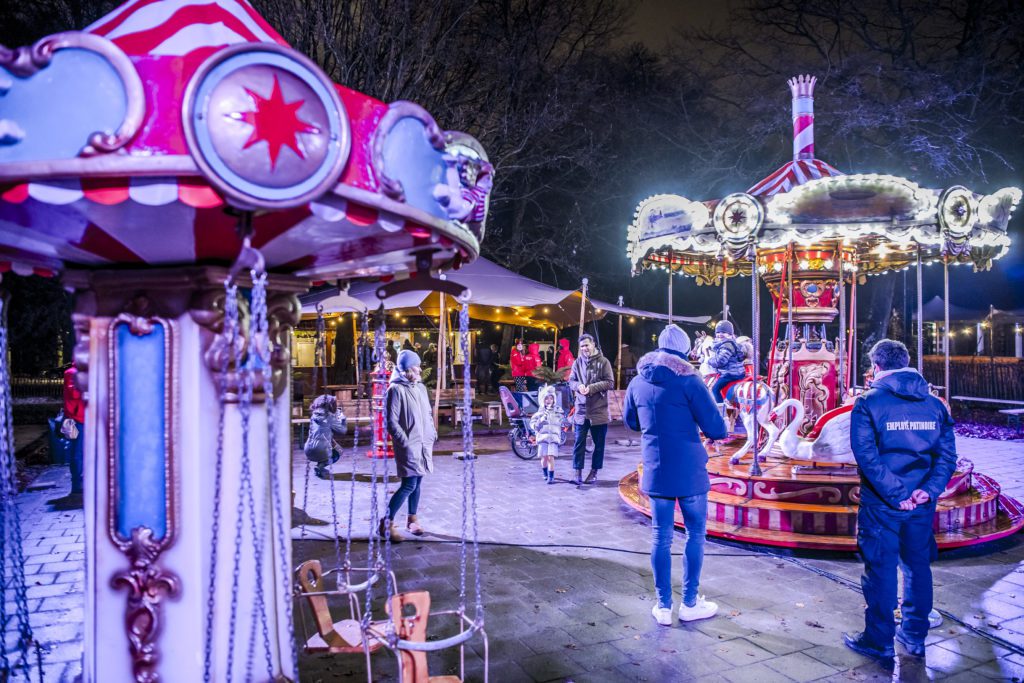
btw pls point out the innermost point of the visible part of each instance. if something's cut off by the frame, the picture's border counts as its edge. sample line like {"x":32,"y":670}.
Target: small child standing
{"x":325,"y":422}
{"x":546,"y":423}
{"x":726,"y":358}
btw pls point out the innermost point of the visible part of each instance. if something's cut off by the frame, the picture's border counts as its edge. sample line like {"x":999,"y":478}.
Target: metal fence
{"x":37,"y":387}
{"x":979,"y":376}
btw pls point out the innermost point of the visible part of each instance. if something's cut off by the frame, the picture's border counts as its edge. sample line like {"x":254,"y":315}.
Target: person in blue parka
{"x":903,"y":441}
{"x":668,"y":403}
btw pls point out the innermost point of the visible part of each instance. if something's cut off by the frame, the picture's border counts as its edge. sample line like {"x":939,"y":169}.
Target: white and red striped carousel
{"x":186,"y":173}
{"x":812,"y":233}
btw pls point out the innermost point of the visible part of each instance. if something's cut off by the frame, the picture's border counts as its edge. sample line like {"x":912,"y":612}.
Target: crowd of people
{"x":901,"y":435}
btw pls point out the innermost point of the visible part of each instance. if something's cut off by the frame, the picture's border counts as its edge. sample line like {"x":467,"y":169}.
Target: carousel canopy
{"x":496,"y":295}
{"x":138,"y":140}
{"x":869,"y":223}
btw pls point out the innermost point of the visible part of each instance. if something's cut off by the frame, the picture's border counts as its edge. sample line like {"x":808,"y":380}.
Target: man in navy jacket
{"x":902,"y":437}
{"x":669,"y":403}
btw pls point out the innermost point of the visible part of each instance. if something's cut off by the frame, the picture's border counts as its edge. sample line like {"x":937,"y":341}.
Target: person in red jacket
{"x":565,"y":358}
{"x":74,"y":410}
{"x":533,"y":362}
{"x":519,"y":365}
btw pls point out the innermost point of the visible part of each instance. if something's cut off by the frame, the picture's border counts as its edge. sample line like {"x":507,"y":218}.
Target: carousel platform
{"x":794,"y":505}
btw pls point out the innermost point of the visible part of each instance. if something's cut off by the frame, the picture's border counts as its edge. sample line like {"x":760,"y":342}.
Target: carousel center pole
{"x":841,"y":351}
{"x":755,"y":336}
{"x":789,"y":326}
{"x":670,"y":294}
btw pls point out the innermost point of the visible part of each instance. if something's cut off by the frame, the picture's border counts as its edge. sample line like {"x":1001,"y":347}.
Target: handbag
{"x":69,"y":428}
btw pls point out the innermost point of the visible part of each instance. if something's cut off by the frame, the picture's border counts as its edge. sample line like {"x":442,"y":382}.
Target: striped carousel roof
{"x":792,"y":174}
{"x":181,"y":28}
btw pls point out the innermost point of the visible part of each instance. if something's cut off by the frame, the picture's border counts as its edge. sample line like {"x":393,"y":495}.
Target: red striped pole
{"x":802,"y":88}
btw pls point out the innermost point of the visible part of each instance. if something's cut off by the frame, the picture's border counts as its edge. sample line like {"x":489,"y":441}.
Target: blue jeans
{"x":720,"y":384}
{"x":889,"y":537}
{"x":695,"y":512}
{"x":409,"y":490}
{"x":579,"y":448}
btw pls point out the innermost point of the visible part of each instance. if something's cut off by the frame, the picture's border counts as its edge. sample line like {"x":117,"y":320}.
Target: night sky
{"x":655,"y":23}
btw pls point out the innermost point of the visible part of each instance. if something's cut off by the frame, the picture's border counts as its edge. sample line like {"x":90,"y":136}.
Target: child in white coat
{"x":546,"y":423}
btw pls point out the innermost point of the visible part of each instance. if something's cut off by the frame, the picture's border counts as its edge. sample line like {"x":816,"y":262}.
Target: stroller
{"x":520,"y":406}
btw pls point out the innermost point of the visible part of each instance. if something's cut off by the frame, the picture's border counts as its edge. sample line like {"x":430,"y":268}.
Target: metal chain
{"x":469,"y":460}
{"x":379,"y":437}
{"x":263,"y":347}
{"x":231,"y":333}
{"x":10,"y":522}
{"x":364,"y":332}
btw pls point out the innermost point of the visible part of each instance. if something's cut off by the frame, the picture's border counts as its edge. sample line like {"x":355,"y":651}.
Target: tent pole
{"x":554,"y":356}
{"x":583,"y":304}
{"x":920,"y":314}
{"x":442,"y":358}
{"x":618,"y":360}
{"x":945,"y":306}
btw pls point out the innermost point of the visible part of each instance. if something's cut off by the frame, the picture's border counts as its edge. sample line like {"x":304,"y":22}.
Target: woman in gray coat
{"x":410,"y":423}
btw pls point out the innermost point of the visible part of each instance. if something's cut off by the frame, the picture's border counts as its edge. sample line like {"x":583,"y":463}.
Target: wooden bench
{"x":1013,"y":416}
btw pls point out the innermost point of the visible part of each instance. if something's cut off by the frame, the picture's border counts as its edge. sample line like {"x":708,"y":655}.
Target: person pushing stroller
{"x":547,"y":423}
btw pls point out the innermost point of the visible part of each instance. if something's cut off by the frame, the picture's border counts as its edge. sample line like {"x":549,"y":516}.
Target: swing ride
{"x":812,"y":234}
{"x":207,"y":175}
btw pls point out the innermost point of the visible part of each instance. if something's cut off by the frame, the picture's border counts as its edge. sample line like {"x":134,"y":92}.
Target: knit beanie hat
{"x":407,"y":359}
{"x":724,"y":327}
{"x":674,"y":339}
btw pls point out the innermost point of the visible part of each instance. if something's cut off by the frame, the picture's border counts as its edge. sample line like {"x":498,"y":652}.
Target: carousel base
{"x":795,"y":505}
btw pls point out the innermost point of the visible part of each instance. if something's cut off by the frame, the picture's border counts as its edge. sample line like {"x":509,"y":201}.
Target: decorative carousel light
{"x":737,"y":218}
{"x":958,"y":212}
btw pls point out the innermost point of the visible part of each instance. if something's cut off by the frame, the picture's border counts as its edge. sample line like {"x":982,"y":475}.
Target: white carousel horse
{"x":740,"y":395}
{"x":828,"y":442}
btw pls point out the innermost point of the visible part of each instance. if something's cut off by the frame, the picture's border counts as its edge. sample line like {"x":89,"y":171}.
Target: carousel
{"x":813,"y":234}
{"x":187,"y":174}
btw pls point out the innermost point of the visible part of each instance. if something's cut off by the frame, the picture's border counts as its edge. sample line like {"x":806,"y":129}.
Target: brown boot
{"x":591,"y":478}
{"x":413,"y":526}
{"x":383,"y":530}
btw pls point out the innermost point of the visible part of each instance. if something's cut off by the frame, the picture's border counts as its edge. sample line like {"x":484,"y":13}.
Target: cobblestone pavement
{"x":52,"y":529}
{"x":583,"y":613}
{"x":580,"y":611}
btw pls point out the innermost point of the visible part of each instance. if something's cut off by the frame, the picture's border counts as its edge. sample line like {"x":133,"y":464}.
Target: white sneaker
{"x":702,"y":609}
{"x":662,"y":615}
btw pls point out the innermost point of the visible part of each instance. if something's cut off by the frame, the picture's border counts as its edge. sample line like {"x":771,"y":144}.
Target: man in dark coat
{"x":668,"y":402}
{"x":484,"y":359}
{"x":903,"y":441}
{"x":590,"y":379}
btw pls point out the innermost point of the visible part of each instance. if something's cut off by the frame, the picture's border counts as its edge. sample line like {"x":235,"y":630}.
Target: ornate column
{"x":151,"y":350}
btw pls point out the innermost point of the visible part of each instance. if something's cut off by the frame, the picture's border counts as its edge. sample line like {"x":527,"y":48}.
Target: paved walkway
{"x":568,"y":589}
{"x":579,"y":614}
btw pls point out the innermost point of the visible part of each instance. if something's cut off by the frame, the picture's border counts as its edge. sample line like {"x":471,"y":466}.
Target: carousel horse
{"x":829,"y":440}
{"x":740,"y":397}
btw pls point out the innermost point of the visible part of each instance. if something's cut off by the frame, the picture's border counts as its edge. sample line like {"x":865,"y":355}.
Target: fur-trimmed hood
{"x":660,"y":366}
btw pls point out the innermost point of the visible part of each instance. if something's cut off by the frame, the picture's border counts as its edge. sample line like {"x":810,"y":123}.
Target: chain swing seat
{"x":335,"y":637}
{"x":354,"y":634}
{"x":410,"y":612}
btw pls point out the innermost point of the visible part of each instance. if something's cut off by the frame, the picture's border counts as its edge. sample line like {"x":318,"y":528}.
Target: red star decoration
{"x":276,"y":122}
